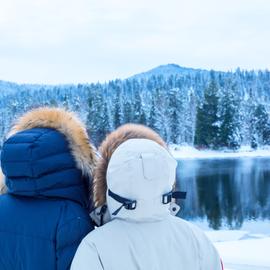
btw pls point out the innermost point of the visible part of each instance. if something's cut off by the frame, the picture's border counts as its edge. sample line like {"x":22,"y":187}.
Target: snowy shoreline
{"x":246,"y":248}
{"x":189,"y":152}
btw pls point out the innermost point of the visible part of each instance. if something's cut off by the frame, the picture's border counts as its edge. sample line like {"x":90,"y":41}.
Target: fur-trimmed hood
{"x":107,"y":148}
{"x":67,"y":124}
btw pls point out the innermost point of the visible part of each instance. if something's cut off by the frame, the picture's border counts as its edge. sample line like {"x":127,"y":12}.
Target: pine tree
{"x":153,"y":121}
{"x":229,"y":132}
{"x":105,"y":126}
{"x":157,"y":119}
{"x":137,"y":107}
{"x":175,"y":115}
{"x":127,"y":112}
{"x":98,"y":117}
{"x":143,"y":119}
{"x":247,"y":109}
{"x":191,"y":118}
{"x":117,"y":114}
{"x":207,"y":119}
{"x":117,"y":104}
{"x":261,"y":127}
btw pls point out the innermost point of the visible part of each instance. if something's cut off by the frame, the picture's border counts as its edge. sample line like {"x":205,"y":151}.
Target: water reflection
{"x":225,"y":191}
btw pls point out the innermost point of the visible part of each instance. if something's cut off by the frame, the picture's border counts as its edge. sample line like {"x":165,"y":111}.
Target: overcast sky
{"x":71,"y":41}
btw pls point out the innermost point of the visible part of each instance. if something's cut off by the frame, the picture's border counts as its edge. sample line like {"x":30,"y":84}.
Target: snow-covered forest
{"x":209,"y":109}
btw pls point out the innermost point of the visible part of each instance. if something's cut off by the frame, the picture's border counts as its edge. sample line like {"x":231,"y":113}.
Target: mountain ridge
{"x":167,"y":70}
{"x":164,"y":70}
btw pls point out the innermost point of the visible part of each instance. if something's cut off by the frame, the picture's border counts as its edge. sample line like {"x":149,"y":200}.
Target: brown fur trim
{"x":68,"y":124}
{"x":108,"y":146}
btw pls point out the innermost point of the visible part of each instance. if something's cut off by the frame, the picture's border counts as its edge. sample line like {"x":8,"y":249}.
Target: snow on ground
{"x":189,"y":152}
{"x":244,"y":249}
{"x":245,"y":254}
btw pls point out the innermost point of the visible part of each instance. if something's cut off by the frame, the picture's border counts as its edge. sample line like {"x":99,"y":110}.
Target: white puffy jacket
{"x":148,"y":237}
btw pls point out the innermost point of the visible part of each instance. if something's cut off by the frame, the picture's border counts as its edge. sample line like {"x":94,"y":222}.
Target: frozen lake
{"x":230,"y":199}
{"x":226,"y":192}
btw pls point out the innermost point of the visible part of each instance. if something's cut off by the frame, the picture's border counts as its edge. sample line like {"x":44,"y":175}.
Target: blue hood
{"x":38,"y":162}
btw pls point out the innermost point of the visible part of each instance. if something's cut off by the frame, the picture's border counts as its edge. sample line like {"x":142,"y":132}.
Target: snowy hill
{"x":162,"y":70}
{"x":167,"y":70}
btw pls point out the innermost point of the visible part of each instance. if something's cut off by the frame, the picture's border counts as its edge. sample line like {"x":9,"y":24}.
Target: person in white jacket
{"x":135,"y":179}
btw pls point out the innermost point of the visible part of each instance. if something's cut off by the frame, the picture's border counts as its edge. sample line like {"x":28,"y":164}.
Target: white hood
{"x":140,"y":170}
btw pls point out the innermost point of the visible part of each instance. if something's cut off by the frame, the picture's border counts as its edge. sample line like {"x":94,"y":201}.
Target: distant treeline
{"x":208,"y":109}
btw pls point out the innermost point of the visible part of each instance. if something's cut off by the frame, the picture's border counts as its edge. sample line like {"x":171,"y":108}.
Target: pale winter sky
{"x":71,"y":41}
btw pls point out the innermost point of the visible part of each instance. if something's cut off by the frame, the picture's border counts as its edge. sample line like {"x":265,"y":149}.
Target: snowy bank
{"x":245,"y":249}
{"x":189,"y":152}
{"x":245,"y":254}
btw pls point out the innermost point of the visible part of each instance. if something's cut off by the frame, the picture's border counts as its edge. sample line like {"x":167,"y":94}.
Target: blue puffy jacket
{"x":44,"y":215}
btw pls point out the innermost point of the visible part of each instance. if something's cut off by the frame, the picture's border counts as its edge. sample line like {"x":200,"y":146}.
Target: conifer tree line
{"x":224,"y":120}
{"x":201,"y":108}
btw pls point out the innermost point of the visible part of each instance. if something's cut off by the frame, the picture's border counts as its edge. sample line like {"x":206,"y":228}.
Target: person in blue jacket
{"x":47,"y":162}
